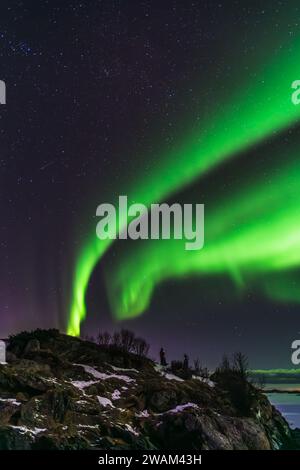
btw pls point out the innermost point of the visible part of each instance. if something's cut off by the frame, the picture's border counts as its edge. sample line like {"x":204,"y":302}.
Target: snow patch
{"x":13,"y":401}
{"x":131,"y":429}
{"x":121,"y":369}
{"x":102,"y":375}
{"x":49,"y":379}
{"x":204,"y":380}
{"x":25,"y":430}
{"x":81,"y":384}
{"x":180,"y":408}
{"x":105,"y":402}
{"x":88,"y":426}
{"x":162,"y":370}
{"x":142,"y":414}
{"x":173,"y":377}
{"x":116,"y":395}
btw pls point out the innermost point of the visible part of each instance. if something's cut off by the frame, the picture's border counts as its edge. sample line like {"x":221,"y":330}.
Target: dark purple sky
{"x":90,"y":85}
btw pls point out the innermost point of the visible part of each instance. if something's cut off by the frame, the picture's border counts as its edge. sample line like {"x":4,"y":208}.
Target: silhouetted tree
{"x":225,"y":364}
{"x":116,"y":340}
{"x":233,"y":378}
{"x":162,"y":355}
{"x":176,"y":366}
{"x":204,"y":372}
{"x":197,"y":366}
{"x":241,"y":364}
{"x":127,"y":340}
{"x":99,"y":338}
{"x":104,"y":339}
{"x":140,"y":347}
{"x":185,"y":361}
{"x":261,"y":381}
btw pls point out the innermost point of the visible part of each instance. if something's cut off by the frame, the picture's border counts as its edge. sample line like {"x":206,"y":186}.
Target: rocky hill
{"x":59,"y":392}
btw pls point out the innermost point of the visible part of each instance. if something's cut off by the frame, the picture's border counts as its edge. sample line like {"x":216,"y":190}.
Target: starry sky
{"x":104,"y":98}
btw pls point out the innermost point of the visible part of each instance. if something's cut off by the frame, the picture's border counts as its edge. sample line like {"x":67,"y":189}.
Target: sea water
{"x":287,"y":403}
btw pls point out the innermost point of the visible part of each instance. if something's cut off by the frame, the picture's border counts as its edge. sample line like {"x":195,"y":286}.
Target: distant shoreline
{"x":282,"y":390}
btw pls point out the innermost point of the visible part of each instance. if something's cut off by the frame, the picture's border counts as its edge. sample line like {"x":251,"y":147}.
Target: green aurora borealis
{"x":252,"y":233}
{"x":256,"y":230}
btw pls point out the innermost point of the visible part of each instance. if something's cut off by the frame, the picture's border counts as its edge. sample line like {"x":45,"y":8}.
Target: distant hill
{"x":277,"y":375}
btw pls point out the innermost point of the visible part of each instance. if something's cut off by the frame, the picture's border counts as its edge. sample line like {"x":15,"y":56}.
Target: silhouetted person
{"x":162,"y":355}
{"x":185,"y":361}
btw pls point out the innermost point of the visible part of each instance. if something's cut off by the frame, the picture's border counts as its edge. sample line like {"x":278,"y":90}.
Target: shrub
{"x":140,"y":347}
{"x":104,"y":339}
{"x":177,"y":368}
{"x":125,"y":341}
{"x":233,"y":378}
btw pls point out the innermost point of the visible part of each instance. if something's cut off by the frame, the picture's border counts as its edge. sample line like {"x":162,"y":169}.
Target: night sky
{"x":127,"y":97}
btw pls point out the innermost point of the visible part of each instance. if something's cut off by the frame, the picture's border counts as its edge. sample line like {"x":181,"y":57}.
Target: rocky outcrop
{"x":59,"y":392}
